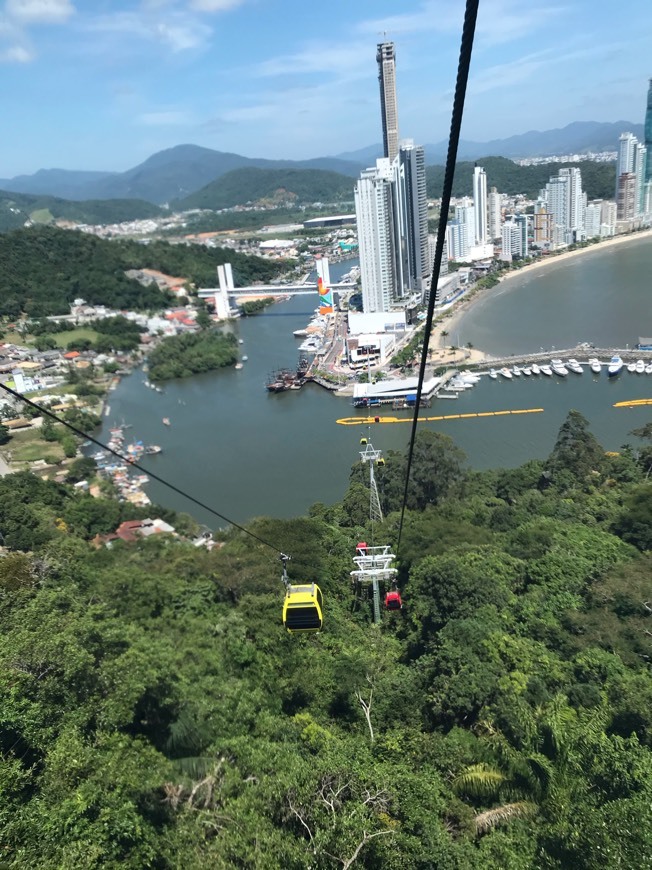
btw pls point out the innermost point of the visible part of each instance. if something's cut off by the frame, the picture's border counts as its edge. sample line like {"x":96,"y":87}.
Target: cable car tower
{"x":374,"y":574}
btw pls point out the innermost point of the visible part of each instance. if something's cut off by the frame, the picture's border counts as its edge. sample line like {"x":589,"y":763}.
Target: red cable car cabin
{"x":393,"y":600}
{"x":361,"y":549}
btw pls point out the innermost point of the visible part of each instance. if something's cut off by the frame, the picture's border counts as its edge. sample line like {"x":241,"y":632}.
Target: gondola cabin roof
{"x":303,"y":608}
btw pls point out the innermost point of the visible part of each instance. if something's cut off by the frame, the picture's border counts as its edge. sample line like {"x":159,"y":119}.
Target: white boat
{"x":300,"y":333}
{"x":535,"y":369}
{"x":648,"y":369}
{"x":527,"y":371}
{"x":596,"y":365}
{"x":574,"y":366}
{"x":493,"y":374}
{"x":238,"y":366}
{"x":640,"y":367}
{"x":631,"y":367}
{"x":245,"y":358}
{"x":558,"y":367}
{"x":615,"y":366}
{"x":506,"y":373}
{"x":546,"y":370}
{"x":516,"y":371}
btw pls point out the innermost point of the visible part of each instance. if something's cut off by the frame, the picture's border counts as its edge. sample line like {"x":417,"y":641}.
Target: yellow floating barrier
{"x":632,"y":403}
{"x":366,"y":421}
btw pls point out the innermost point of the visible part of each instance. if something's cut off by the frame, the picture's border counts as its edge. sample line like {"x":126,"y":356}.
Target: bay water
{"x":248,"y":453}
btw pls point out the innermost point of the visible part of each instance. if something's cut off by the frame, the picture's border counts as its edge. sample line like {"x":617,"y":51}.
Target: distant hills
{"x":18,"y":208}
{"x":271,"y":186}
{"x":176,"y":173}
{"x":577,"y":138}
{"x":598,"y":179}
{"x":171,"y":174}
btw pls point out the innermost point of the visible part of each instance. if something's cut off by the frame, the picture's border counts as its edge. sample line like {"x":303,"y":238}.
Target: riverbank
{"x":446,"y":333}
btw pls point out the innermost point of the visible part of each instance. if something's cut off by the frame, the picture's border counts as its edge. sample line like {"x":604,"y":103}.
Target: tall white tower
{"x":386,"y":58}
{"x":495,"y":213}
{"x":374,"y":216}
{"x":480,"y":204}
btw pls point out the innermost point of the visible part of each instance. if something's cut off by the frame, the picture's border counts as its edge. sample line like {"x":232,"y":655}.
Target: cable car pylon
{"x":374,"y":573}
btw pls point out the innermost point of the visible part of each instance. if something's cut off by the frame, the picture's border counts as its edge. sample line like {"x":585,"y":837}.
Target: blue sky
{"x":103,"y":84}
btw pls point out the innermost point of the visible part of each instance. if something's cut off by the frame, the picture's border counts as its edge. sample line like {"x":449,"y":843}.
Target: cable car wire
{"x":466,"y":49}
{"x":46,"y":412}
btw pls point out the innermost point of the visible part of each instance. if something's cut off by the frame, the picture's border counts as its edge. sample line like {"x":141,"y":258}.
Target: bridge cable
{"x":158,"y":478}
{"x":466,"y":49}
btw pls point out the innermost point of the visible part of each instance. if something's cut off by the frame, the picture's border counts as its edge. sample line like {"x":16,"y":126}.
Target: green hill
{"x":271,"y":186}
{"x":43,"y":269}
{"x":155,"y":713}
{"x":16,"y":209}
{"x":598,"y":179}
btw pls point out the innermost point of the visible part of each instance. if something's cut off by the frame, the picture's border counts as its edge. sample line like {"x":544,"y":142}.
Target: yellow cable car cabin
{"x":380,"y":461}
{"x":363,"y":440}
{"x":303,"y":608}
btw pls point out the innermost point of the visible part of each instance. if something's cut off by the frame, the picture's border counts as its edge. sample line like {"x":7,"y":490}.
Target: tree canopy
{"x":155,"y":714}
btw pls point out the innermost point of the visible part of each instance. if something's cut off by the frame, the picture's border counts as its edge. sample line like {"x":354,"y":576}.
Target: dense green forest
{"x":17,"y":208}
{"x":155,"y":714}
{"x":252,"y":185}
{"x":598,"y":179}
{"x":192,"y":353}
{"x":43,"y":269}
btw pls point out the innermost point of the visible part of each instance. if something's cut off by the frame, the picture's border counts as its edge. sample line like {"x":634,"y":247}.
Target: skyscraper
{"x":565,"y":202}
{"x":495,"y":210}
{"x":632,"y":160}
{"x":480,"y":205}
{"x":374,"y":213}
{"x":411,"y":218}
{"x":648,"y":133}
{"x":386,"y":57}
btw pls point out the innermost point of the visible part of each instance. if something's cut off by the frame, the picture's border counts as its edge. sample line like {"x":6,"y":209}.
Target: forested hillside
{"x":155,"y":714}
{"x":43,"y":269}
{"x":17,"y":208}
{"x":598,"y":179}
{"x":279,"y":186}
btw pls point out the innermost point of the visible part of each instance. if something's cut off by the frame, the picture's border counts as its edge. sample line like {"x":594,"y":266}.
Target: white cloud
{"x":313,"y":59}
{"x":39,"y":11}
{"x":215,"y":5}
{"x":174,"y":30}
{"x":16,"y":54}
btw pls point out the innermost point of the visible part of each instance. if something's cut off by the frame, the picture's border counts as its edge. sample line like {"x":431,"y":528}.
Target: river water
{"x":248,"y":453}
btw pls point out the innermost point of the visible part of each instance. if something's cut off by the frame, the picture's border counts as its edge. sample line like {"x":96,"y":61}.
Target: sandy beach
{"x":443,"y":335}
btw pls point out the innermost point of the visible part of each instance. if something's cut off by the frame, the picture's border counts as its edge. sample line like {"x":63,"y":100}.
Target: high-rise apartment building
{"x":648,"y":133}
{"x":632,"y":161}
{"x":593,"y":219}
{"x":514,"y":238}
{"x":411,"y":219}
{"x":480,"y":205}
{"x":495,"y":213}
{"x":566,"y":202}
{"x":375,"y":217}
{"x":386,"y":57}
{"x":543,"y":224}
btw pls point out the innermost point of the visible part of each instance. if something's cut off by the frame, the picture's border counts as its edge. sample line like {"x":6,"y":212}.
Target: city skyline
{"x":98,"y":85}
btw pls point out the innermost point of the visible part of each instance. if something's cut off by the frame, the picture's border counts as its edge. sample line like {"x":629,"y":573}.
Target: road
{"x":4,"y":468}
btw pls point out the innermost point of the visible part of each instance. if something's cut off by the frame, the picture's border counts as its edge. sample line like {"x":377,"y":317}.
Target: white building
{"x":374,"y":216}
{"x":480,"y":205}
{"x":495,"y":213}
{"x":514,"y":238}
{"x":565,"y":201}
{"x":410,"y":223}
{"x":593,"y":219}
{"x":630,"y":177}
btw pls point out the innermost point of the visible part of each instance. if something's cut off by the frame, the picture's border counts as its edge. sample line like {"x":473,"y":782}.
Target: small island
{"x":181,"y":356}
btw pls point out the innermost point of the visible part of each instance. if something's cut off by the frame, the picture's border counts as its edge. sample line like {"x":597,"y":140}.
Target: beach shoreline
{"x":450,"y":320}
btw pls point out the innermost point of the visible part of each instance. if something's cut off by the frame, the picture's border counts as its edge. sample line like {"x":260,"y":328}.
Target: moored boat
{"x":516,"y":371}
{"x":640,"y":367}
{"x":546,"y":370}
{"x":558,"y":368}
{"x":535,"y":369}
{"x":615,"y":366}
{"x":648,"y":369}
{"x":506,"y":373}
{"x":527,"y":371}
{"x":493,"y":374}
{"x":596,"y":365}
{"x":631,"y":367}
{"x":574,"y":366}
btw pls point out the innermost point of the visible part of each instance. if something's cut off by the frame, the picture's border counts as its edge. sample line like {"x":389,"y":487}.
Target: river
{"x":247,"y":453}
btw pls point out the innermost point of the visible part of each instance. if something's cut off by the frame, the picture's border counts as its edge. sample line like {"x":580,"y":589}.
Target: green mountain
{"x":277,"y":186}
{"x":598,"y":179}
{"x":43,"y":269}
{"x":156,"y":714}
{"x":167,"y":175}
{"x":17,"y":209}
